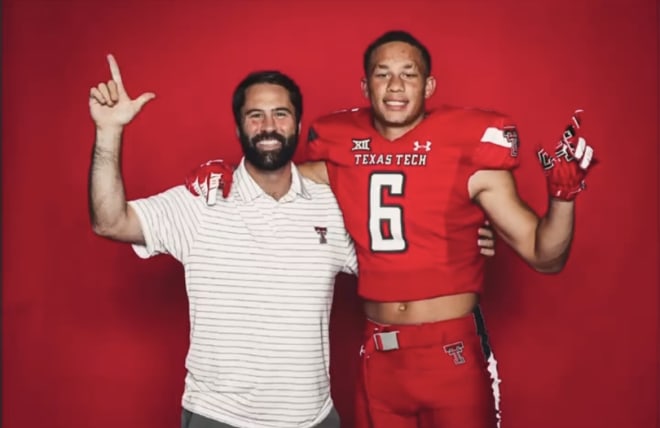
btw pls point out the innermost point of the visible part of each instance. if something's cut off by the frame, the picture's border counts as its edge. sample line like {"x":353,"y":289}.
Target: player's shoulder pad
{"x":341,"y":116}
{"x":469,"y":116}
{"x":481,"y":115}
{"x":481,"y":126}
{"x":337,"y":122}
{"x":496,"y":128}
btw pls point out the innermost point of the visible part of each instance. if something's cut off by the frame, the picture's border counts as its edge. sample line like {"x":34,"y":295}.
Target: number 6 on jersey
{"x":386,"y":221}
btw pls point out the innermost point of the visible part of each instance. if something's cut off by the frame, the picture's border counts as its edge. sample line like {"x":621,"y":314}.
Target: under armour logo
{"x":426,"y":146}
{"x":361,"y":144}
{"x":323,"y":232}
{"x":456,"y":352}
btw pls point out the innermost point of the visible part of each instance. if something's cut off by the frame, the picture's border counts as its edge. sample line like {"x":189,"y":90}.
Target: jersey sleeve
{"x":329,"y":138}
{"x":323,"y":143}
{"x":317,"y":148}
{"x":168,"y":222}
{"x":498,"y":145}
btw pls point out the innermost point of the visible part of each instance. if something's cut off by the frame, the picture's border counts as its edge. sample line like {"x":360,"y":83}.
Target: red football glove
{"x":565,"y":171}
{"x":208,"y":178}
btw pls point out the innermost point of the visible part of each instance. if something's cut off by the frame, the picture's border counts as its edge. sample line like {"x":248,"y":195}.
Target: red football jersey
{"x":406,"y":202}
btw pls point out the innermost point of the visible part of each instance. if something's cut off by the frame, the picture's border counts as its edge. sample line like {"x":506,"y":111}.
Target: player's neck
{"x":274,"y":183}
{"x":392,"y":132}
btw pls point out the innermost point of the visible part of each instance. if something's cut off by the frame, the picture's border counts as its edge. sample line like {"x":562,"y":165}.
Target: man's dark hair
{"x":396,"y":36}
{"x":267,"y":76}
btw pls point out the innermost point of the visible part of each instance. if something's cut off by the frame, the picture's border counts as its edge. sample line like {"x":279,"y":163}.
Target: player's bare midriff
{"x":421,"y":311}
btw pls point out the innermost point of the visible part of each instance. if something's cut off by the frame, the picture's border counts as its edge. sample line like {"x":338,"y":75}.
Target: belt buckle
{"x":386,"y":341}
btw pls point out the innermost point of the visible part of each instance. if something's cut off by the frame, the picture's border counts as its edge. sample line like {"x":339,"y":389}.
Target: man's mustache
{"x":268,"y":136}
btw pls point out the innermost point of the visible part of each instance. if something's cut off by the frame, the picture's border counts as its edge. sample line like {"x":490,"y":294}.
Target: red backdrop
{"x":94,"y":337}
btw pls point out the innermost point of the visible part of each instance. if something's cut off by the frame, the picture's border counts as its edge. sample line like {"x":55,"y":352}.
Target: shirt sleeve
{"x":168,"y":221}
{"x":498,"y":146}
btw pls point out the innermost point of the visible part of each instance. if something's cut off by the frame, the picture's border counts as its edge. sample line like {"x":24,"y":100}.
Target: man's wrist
{"x":561,"y":201}
{"x":109,"y":137}
{"x":109,"y":130}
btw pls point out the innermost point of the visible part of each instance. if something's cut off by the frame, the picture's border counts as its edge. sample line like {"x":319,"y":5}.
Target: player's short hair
{"x":267,"y":76}
{"x":396,"y":36}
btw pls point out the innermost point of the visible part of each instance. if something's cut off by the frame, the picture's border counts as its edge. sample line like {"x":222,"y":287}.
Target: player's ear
{"x":429,"y":86}
{"x":365,"y":87}
{"x":238,"y":132}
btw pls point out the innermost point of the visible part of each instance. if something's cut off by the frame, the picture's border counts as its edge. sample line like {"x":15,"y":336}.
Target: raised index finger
{"x":114,"y":70}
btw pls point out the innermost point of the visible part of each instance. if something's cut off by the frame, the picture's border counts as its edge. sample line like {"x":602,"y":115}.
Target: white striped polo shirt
{"x":259,"y":276}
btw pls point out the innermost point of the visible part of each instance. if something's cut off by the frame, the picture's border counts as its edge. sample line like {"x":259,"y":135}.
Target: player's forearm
{"x":554,"y":235}
{"x":107,"y":200}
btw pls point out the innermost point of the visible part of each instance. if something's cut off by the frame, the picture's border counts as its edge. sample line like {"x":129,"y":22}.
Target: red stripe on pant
{"x":430,"y":375}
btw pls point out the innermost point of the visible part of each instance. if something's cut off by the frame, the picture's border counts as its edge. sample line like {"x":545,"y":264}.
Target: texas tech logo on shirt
{"x":505,"y":137}
{"x":511,"y":135}
{"x":323,"y":233}
{"x":418,"y":156}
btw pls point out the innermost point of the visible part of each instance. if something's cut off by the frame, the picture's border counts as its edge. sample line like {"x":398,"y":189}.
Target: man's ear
{"x":364,"y":85}
{"x":429,"y":86}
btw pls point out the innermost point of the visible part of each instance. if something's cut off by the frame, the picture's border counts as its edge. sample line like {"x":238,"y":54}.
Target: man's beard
{"x":268,"y":160}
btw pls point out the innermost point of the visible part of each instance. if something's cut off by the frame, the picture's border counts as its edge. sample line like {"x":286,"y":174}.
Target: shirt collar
{"x":249,"y":190}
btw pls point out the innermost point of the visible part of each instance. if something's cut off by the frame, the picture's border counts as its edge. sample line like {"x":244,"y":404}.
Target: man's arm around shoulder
{"x":317,"y":171}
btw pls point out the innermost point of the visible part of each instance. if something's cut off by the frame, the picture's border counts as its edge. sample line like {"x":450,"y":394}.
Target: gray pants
{"x":193,"y":420}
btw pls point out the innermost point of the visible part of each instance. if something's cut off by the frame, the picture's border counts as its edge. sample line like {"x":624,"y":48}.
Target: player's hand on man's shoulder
{"x":209,"y":178}
{"x":567,"y":167}
{"x":110,"y":105}
{"x":486,"y":240}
